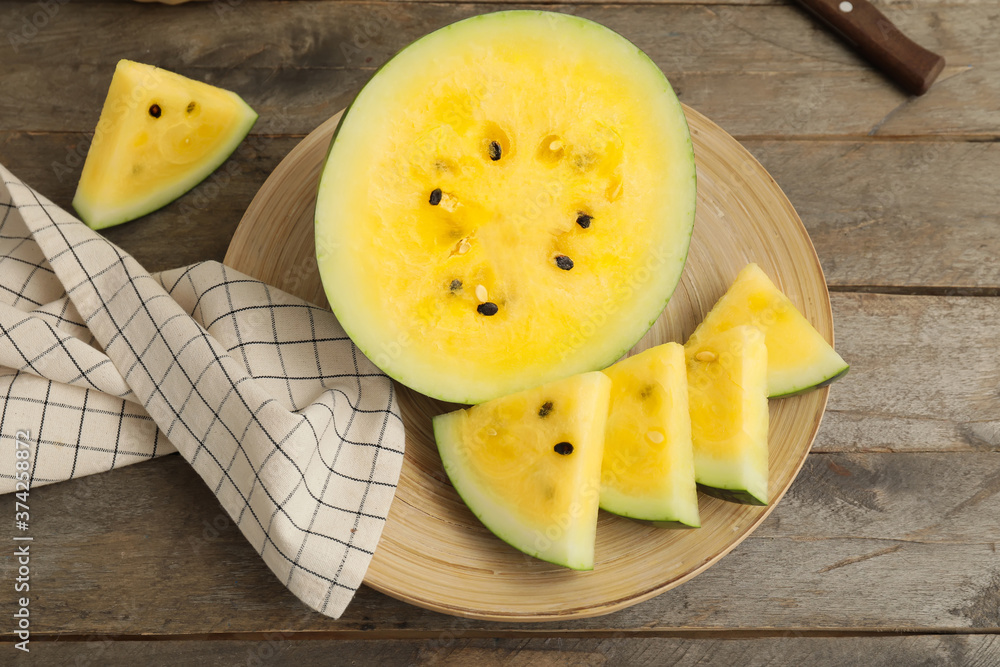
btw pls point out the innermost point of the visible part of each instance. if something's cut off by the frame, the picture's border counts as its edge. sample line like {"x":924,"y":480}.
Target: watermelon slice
{"x":798,"y":357}
{"x":159,"y":135}
{"x":727,"y":392}
{"x":648,"y":469}
{"x":507,"y":202}
{"x":529,"y":465}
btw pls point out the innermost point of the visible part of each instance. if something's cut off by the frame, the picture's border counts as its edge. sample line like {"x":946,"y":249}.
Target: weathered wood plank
{"x":894,"y":214}
{"x":757,"y":70}
{"x":954,"y":650}
{"x":860,"y":543}
{"x":924,"y":375}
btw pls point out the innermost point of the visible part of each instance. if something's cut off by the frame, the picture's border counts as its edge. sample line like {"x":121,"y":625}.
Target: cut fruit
{"x":159,"y":135}
{"x":509,"y":201}
{"x":529,"y":465}
{"x":798,"y":357}
{"x":727,"y":391}
{"x":648,"y":469}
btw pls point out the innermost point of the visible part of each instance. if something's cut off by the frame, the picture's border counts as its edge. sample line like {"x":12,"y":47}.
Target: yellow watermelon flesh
{"x":648,"y":468}
{"x":798,"y":357}
{"x":509,"y":201}
{"x":528,"y":465}
{"x":727,"y":392}
{"x":159,"y":135}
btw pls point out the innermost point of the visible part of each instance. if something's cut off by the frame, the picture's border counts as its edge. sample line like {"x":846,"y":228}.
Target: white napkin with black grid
{"x":103,"y":365}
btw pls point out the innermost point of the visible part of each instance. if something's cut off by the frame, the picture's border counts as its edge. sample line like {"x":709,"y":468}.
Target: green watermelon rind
{"x":817,"y":380}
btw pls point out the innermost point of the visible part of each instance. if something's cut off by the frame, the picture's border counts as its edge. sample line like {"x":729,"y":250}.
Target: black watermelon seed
{"x":455,"y":285}
{"x":546,"y":409}
{"x":583,"y":219}
{"x":190,"y":107}
{"x":488,"y":309}
{"x":564,"y":262}
{"x":563,"y":448}
{"x":494,"y":151}
{"x":435,"y":196}
{"x":154,"y":111}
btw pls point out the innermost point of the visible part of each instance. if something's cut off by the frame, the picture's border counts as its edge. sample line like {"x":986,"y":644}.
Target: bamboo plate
{"x":434,"y":553}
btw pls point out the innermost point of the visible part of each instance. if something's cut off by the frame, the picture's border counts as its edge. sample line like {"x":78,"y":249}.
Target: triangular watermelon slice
{"x":648,"y":470}
{"x":159,"y":135}
{"x":798,"y":357}
{"x":727,"y":396}
{"x":529,"y":465}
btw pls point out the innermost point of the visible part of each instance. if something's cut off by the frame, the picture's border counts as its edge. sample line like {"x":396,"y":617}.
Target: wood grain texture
{"x":924,"y":375}
{"x":906,"y":214}
{"x":279,"y":649}
{"x":756,"y":70}
{"x":856,"y":546}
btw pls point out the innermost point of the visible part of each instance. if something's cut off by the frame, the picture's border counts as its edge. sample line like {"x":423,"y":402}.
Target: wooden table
{"x":884,"y":550}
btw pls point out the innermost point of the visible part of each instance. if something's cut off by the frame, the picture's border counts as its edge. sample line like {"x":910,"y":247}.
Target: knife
{"x":911,"y":66}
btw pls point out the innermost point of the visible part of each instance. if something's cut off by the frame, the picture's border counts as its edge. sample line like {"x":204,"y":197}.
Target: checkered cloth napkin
{"x":103,"y":365}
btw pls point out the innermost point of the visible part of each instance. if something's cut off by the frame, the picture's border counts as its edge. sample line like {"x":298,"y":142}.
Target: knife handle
{"x":910,"y":65}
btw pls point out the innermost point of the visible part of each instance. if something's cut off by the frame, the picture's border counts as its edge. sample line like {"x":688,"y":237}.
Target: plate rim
{"x":322,"y":135}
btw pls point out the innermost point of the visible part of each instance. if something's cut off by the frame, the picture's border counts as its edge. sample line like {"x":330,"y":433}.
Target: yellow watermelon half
{"x":509,"y":201}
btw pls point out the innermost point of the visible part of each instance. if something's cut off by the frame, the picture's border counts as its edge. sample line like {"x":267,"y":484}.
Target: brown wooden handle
{"x":875,"y":37}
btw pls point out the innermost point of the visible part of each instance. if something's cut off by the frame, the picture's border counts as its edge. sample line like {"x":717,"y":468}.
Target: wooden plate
{"x":434,"y":553}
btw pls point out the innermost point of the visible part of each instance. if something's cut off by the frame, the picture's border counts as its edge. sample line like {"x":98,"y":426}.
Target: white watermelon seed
{"x":705,"y":355}
{"x":482,"y":294}
{"x":655,"y":437}
{"x":449,"y":202}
